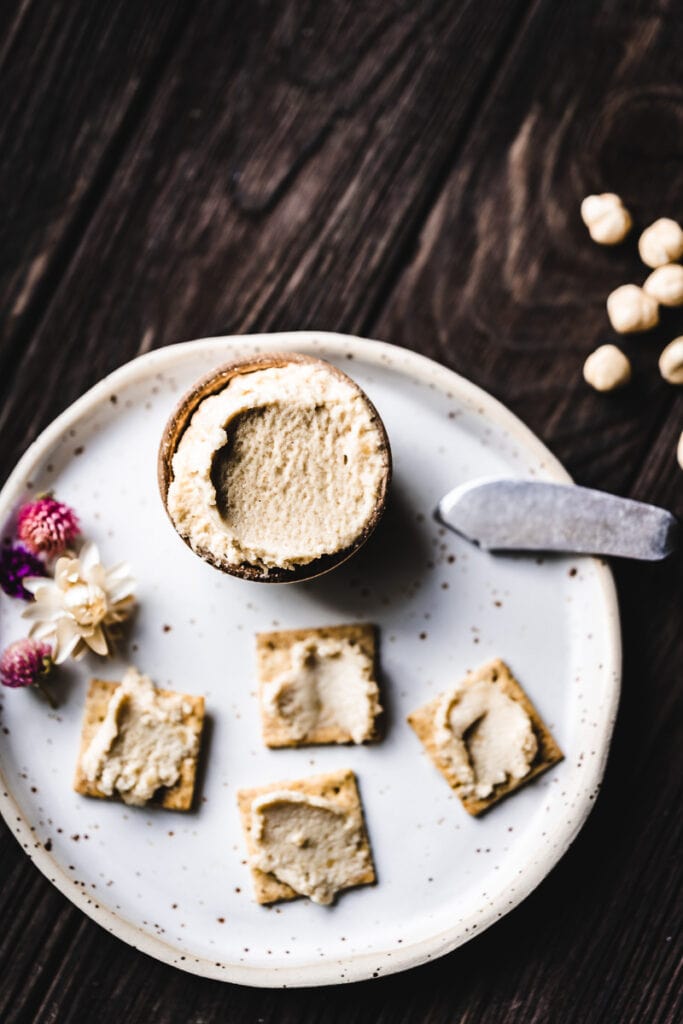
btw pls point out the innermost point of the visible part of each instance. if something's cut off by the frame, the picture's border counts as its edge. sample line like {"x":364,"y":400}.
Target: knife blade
{"x":525,"y":515}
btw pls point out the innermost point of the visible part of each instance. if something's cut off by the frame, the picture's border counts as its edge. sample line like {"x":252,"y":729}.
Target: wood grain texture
{"x":73,"y":78}
{"x":506,"y":285}
{"x":412,"y":172}
{"x":173,"y":253}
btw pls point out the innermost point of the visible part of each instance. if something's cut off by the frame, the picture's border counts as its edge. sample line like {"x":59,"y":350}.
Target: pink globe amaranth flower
{"x":47,"y":526}
{"x":25,"y":662}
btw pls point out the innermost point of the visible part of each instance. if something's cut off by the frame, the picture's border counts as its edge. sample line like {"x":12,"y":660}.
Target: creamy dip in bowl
{"x":275,"y":469}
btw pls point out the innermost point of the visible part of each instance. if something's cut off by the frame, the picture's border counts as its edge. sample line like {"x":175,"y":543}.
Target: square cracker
{"x":273,"y":657}
{"x":174,"y":798}
{"x":422,"y":721}
{"x":340,"y":788}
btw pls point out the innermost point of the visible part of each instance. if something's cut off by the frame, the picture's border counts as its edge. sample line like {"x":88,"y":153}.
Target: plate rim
{"x":360,"y":966}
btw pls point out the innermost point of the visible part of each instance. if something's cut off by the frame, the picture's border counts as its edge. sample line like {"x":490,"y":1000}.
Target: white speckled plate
{"x":175,"y":885}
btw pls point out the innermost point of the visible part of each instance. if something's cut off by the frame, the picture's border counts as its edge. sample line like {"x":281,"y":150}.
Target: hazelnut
{"x":607,"y":219}
{"x":661,"y":243}
{"x":607,"y":368}
{"x":679,"y":451}
{"x":671,"y":362}
{"x":630,"y":309}
{"x":665,"y":284}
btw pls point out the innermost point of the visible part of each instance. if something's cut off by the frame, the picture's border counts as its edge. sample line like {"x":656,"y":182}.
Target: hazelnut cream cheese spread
{"x":142,"y":742}
{"x":308,"y":842}
{"x":485,"y":735}
{"x":329,"y":684}
{"x":281,"y":467}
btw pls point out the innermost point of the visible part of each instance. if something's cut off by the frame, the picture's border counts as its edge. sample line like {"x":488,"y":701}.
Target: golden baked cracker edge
{"x":176,"y":798}
{"x":273,"y":657}
{"x":340,"y":787}
{"x":422,"y":722}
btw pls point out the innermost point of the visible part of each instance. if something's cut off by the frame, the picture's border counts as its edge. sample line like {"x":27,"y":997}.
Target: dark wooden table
{"x":407,"y":171}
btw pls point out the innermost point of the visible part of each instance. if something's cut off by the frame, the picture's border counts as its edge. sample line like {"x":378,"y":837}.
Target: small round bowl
{"x":179,"y":420}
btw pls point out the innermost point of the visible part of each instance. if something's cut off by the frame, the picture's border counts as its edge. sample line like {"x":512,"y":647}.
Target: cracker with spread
{"x":306,"y":838}
{"x":485,"y":737}
{"x":318,"y":685}
{"x":139,"y":744}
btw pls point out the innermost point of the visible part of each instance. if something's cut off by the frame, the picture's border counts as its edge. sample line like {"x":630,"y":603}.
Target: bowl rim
{"x":212,"y":383}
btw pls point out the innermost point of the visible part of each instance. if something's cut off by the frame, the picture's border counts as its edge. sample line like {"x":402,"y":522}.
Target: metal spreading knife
{"x":524,"y":515}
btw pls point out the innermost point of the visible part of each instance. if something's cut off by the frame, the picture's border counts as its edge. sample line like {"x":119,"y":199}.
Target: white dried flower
{"x":73,"y":610}
{"x":607,"y":219}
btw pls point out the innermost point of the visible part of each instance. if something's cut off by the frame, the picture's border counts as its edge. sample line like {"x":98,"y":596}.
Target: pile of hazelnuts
{"x":632,"y":308}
